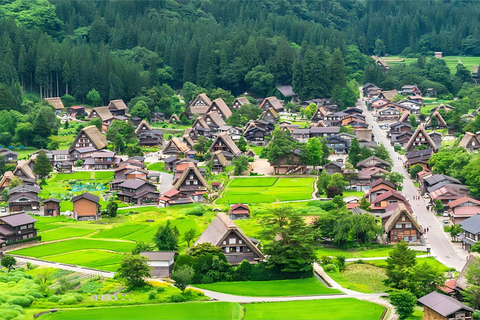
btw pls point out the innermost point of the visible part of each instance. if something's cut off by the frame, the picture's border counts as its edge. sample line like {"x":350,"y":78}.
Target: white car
{"x":445,"y":214}
{"x":446,"y":222}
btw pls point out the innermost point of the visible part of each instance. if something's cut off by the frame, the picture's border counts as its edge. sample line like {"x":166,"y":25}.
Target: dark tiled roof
{"x":443,"y":304}
{"x":87,"y":196}
{"x":471,"y":224}
{"x":18,"y":219}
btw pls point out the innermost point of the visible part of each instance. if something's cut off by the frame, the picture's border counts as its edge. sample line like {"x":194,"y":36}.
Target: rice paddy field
{"x":339,"y":309}
{"x":361,"y":277}
{"x":267,"y":190}
{"x":278,"y":288}
{"x":451,"y":61}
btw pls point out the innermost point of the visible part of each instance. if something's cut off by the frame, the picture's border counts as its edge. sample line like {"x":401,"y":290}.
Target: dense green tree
{"x":140,"y":110}
{"x":42,"y":166}
{"x":354,"y":154}
{"x":312,"y":153}
{"x":97,"y":122}
{"x":472,"y":293}
{"x":166,"y":238}
{"x":414,"y":171}
{"x":133,"y":270}
{"x":8,"y":262}
{"x":112,"y":207}
{"x":189,"y":236}
{"x":404,"y":302}
{"x":242,"y":144}
{"x":280,"y":147}
{"x":381,"y":152}
{"x":141,"y":246}
{"x":183,"y":277}
{"x":241,"y":164}
{"x":400,"y":266}
{"x":291,"y":246}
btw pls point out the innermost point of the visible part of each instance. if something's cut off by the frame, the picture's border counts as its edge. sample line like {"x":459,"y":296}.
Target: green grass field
{"x":338,"y":309}
{"x":373,"y":251}
{"x":96,"y":259}
{"x":194,"y":310}
{"x":157,"y":166}
{"x":74,"y":245}
{"x":431,"y":261}
{"x":361,"y":277}
{"x":451,"y":61}
{"x":277,"y":288}
{"x":65,"y":232}
{"x":266,"y":190}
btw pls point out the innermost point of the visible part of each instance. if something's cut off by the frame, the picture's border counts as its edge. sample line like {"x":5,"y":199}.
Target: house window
{"x":405,"y":238}
{"x":408,"y":226}
{"x":395,"y":237}
{"x":240,"y":242}
{"x":398,"y":226}
{"x":195,"y":182}
{"x":414,"y":238}
{"x":224,"y":242}
{"x":232,"y":241}
{"x":403,"y":218}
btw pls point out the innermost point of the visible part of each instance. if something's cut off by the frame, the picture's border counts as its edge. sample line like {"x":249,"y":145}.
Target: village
{"x":371,"y":160}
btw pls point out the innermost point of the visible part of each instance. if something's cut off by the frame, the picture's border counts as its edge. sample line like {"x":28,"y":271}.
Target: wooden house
{"x":388,"y":113}
{"x":463,"y":208}
{"x":438,"y":306}
{"x":272,"y":102}
{"x":6,"y":179}
{"x":379,"y":187}
{"x":9,"y":155}
{"x":338,"y":144}
{"x":51,"y":207}
{"x":174,"y":119}
{"x":373,"y":161}
{"x":333,"y":167}
{"x":89,"y":137}
{"x":471,"y":232}
{"x":157,"y":117}
{"x":174,"y":197}
{"x":24,"y":171}
{"x":103,"y":113}
{"x":160,"y":262}
{"x":269,"y":115}
{"x":369,"y":86}
{"x":214,"y":120}
{"x":410,"y":90}
{"x":445,"y":195}
{"x":436,"y":121}
{"x":225,"y":234}
{"x":319,"y":115}
{"x":24,"y":198}
{"x":239,"y":102}
{"x":402,"y":226}
{"x":175,"y":147}
{"x":388,"y":201}
{"x":239,"y":211}
{"x":16,"y":227}
{"x":137,"y":191}
{"x":470,"y":142}
{"x":224,"y":143}
{"x":220,"y":107}
{"x":76,"y":111}
{"x":86,"y":206}
{"x":419,"y":157}
{"x":142,"y":127}
{"x":118,"y":108}
{"x":367,"y":176}
{"x":191,"y":183}
{"x":199,"y":105}
{"x":290,"y":163}
{"x":57,"y":104}
{"x":286,"y":93}
{"x":150,"y":138}
{"x":219,"y":162}
{"x":420,"y":137}
{"x":101,"y":160}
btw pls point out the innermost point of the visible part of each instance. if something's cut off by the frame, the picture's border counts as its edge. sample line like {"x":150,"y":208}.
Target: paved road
{"x":441,"y":247}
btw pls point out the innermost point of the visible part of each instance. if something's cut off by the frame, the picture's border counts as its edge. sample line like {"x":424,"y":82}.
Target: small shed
{"x":51,"y":207}
{"x":161,"y":263}
{"x":239,"y":212}
{"x":438,"y":306}
{"x":438,"y":54}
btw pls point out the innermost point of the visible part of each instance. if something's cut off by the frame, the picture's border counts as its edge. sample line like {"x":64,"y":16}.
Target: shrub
{"x":250,"y":159}
{"x":198,"y":211}
{"x":55,"y":298}
{"x":326,"y":260}
{"x":20,"y":301}
{"x":36,"y":294}
{"x":177,"y":298}
{"x":315,"y":172}
{"x":330,"y":267}
{"x":341,"y":262}
{"x":152,"y":294}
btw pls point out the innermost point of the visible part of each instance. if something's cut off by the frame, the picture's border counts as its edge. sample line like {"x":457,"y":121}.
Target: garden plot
{"x":266,"y":190}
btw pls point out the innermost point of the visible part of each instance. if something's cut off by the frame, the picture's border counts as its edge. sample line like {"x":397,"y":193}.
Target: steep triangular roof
{"x":272,"y":111}
{"x":228,"y":143}
{"x":215,"y":118}
{"x":376,"y":161}
{"x":221,"y":158}
{"x":179,"y":145}
{"x":117,"y":105}
{"x":241,"y":101}
{"x":173,"y":117}
{"x":320,"y":113}
{"x":96,"y":137}
{"x":143,"y":126}
{"x":428,"y":139}
{"x":467,"y":138}
{"x":220,"y":228}
{"x":200,"y":123}
{"x":439,"y":117}
{"x":191,"y":168}
{"x":101,"y":112}
{"x":55,"y":102}
{"x":382,"y":181}
{"x":23,"y":165}
{"x":273,"y":102}
{"x":221,"y":106}
{"x":200,"y":104}
{"x":404,"y":117}
{"x":401,"y":209}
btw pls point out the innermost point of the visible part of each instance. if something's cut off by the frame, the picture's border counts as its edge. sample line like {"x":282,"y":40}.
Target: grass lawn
{"x":257,"y":150}
{"x":157,"y":166}
{"x":373,"y":251}
{"x":96,"y":259}
{"x":347,"y":193}
{"x":266,"y":190}
{"x":431,"y":261}
{"x":193,"y":310}
{"x":74,"y":245}
{"x":277,"y":288}
{"x":361,"y":277}
{"x":338,"y":309}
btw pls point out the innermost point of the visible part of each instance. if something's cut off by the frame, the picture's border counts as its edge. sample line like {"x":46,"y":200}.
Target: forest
{"x":55,"y":47}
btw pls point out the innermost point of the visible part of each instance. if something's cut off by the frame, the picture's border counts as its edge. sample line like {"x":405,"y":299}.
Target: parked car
{"x":3,"y":209}
{"x":445,"y":214}
{"x":446,"y":222}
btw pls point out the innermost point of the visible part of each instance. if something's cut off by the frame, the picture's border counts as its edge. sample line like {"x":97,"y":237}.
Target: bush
{"x":198,"y":211}
{"x":330,"y":268}
{"x":325,"y":260}
{"x":55,"y":298}
{"x":36,"y":294}
{"x":20,"y":301}
{"x":177,"y":298}
{"x":315,"y":172}
{"x":250,"y":159}
{"x":341,"y":262}
{"x":152,"y":294}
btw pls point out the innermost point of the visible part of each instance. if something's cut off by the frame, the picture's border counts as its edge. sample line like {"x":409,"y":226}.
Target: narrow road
{"x":441,"y":247}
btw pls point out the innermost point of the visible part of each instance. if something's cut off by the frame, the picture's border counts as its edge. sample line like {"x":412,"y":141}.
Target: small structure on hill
{"x":86,"y":206}
{"x":160,"y":262}
{"x":239,"y":211}
{"x":51,"y":207}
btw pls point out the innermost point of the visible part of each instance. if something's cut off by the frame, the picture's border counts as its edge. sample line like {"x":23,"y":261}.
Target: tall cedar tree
{"x":42,"y":166}
{"x":166,"y":238}
{"x":354,"y":153}
{"x":292,"y":246}
{"x":400,"y":266}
